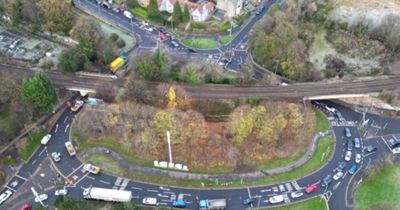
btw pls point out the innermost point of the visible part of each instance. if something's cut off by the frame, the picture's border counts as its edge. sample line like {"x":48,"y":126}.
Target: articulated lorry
{"x":214,"y":204}
{"x":105,"y":194}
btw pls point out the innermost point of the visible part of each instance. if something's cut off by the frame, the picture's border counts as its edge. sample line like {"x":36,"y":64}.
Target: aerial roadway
{"x":327,"y":182}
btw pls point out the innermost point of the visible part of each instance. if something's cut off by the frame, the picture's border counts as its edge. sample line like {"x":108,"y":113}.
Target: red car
{"x":25,"y":207}
{"x":311,"y":188}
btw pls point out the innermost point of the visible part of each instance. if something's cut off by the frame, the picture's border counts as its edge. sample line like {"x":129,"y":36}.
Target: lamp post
{"x":169,"y":147}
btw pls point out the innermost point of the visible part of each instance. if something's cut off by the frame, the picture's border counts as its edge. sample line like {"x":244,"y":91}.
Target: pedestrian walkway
{"x":197,"y":176}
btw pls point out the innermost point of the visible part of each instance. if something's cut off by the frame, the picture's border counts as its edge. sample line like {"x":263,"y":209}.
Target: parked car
{"x":348,"y":133}
{"x":349,"y":144}
{"x":149,"y":201}
{"x":56,"y":156}
{"x":340,"y":166}
{"x":162,"y":30}
{"x":396,"y":150}
{"x":4,"y":196}
{"x":61,"y":192}
{"x":296,"y":194}
{"x":357,"y":143}
{"x":174,"y":44}
{"x":347,"y":157}
{"x":115,"y":10}
{"x":393,"y":143}
{"x":396,"y":144}
{"x":358,"y":158}
{"x":106,"y":5}
{"x":248,"y":201}
{"x":25,"y":207}
{"x":340,"y":116}
{"x":127,"y":14}
{"x":311,"y":188}
{"x":148,"y":28}
{"x":330,"y":108}
{"x":45,"y":139}
{"x":370,"y":149}
{"x":179,"y":204}
{"x":41,"y":197}
{"x":338,"y":175}
{"x":326,"y":181}
{"x":352,"y":169}
{"x":276,"y":199}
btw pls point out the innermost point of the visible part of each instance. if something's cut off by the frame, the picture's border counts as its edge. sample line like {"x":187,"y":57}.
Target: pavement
{"x":70,"y":168}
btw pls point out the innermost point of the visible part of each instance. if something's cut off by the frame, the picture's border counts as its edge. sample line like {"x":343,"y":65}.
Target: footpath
{"x":197,"y":176}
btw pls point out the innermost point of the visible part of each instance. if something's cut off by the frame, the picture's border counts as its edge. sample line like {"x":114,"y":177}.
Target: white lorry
{"x":105,"y":194}
{"x":213,"y":204}
{"x":70,"y":148}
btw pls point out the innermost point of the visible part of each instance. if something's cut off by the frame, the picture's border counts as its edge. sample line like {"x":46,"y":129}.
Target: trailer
{"x":105,"y":194}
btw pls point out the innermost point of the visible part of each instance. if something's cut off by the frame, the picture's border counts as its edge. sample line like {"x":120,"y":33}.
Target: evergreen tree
{"x":177,"y":13}
{"x":186,"y":14}
{"x":16,"y":11}
{"x":152,"y":9}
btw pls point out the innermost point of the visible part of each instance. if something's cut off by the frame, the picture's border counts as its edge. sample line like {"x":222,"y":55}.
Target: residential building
{"x":231,"y":8}
{"x":198,"y":11}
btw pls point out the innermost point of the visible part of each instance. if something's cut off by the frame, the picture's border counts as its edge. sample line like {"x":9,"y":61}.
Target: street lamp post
{"x":169,"y":147}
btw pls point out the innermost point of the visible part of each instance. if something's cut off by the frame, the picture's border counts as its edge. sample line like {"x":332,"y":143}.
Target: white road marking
{"x":90,"y":177}
{"x":75,"y":170}
{"x":163,"y":188}
{"x":41,"y":152}
{"x":66,"y":128}
{"x":82,"y":178}
{"x":65,"y":120}
{"x":137,"y":197}
{"x":165,"y":204}
{"x":11,"y":189}
{"x":156,"y":191}
{"x":105,"y":182}
{"x":136,"y":188}
{"x":248,"y":191}
{"x":165,"y":200}
{"x":55,"y":131}
{"x":21,"y":177}
{"x":161,"y":195}
{"x":33,"y":162}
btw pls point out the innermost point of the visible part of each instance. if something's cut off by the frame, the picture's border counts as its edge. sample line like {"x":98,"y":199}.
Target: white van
{"x":46,"y":139}
{"x":128,"y":14}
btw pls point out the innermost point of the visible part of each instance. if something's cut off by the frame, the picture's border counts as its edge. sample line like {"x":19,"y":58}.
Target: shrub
{"x":121,"y":43}
{"x":114,"y":37}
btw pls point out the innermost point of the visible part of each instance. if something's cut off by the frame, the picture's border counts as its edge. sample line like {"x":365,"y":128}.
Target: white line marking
{"x":33,"y":162}
{"x":75,"y":170}
{"x":136,"y":197}
{"x":90,"y":177}
{"x":82,"y":178}
{"x":66,"y":128}
{"x":105,"y":182}
{"x":136,"y":188}
{"x":11,"y":189}
{"x":21,"y":177}
{"x":156,"y":191}
{"x":65,"y":120}
{"x":41,"y":152}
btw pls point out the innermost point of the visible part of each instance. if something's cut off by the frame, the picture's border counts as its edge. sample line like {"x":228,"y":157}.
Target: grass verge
{"x":380,"y":190}
{"x":32,"y":144}
{"x":323,"y":151}
{"x":141,"y":12}
{"x":2,"y":178}
{"x":201,"y":43}
{"x":225,"y":39}
{"x":313,"y":204}
{"x":6,"y":124}
{"x":322,"y":123}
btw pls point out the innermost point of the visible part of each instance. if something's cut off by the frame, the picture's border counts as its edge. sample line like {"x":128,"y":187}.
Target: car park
{"x":358,"y":158}
{"x":61,"y":192}
{"x":25,"y":207}
{"x":311,"y":188}
{"x":338,"y":175}
{"x":127,"y":14}
{"x":56,"y":156}
{"x":45,"y":139}
{"x":41,"y":197}
{"x":149,"y":201}
{"x":347,"y":156}
{"x":276,"y":199}
{"x":248,"y":201}
{"x":4,"y":196}
{"x":357,"y":142}
{"x":326,"y":181}
{"x":349,"y":145}
{"x":352,"y":169}
{"x":340,"y":166}
{"x":296,"y":194}
{"x":348,"y":133}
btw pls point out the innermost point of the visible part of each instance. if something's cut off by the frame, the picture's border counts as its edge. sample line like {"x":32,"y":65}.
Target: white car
{"x":276,"y":199}
{"x":148,"y":28}
{"x":61,"y":192}
{"x":338,"y":175}
{"x":41,"y":197}
{"x":127,"y":14}
{"x":396,"y":150}
{"x":56,"y":156}
{"x":45,"y":139}
{"x":296,"y":194}
{"x":347,"y":157}
{"x":358,"y":158}
{"x":150,"y":201}
{"x":4,"y":196}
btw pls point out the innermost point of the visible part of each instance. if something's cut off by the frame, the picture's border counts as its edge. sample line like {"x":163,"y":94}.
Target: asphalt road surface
{"x":71,"y":167}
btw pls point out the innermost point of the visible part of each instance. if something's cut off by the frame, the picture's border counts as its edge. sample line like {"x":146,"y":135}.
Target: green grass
{"x":322,"y":123}
{"x":8,"y":161}
{"x":324,"y":146}
{"x":6,"y":123}
{"x":225,"y":39}
{"x":2,"y":178}
{"x":202,"y":43}
{"x":381,"y":189}
{"x":224,"y":26}
{"x":33,"y":143}
{"x":313,"y":204}
{"x":140,"y":11}
{"x":279,"y":162}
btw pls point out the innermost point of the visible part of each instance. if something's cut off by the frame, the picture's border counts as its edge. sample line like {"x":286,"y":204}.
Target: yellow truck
{"x":91,"y":168}
{"x":117,"y":64}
